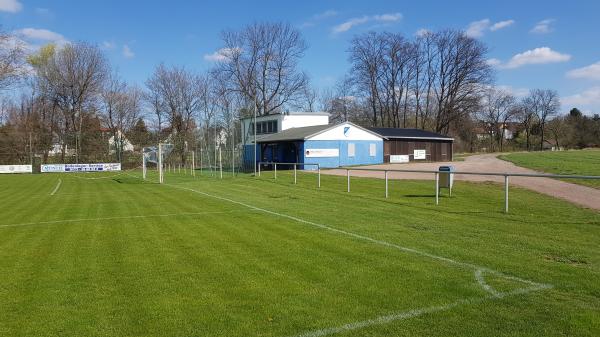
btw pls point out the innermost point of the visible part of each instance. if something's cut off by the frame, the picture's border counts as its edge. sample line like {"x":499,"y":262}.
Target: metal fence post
{"x":295,"y":175}
{"x":275,"y":170}
{"x":437,"y":188}
{"x":318,"y":176}
{"x":259,"y":169}
{"x":348,"y":176}
{"x":506,"y":193}
{"x":386,"y":184}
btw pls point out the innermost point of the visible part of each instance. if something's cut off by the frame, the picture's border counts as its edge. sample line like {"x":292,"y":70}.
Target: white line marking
{"x":57,"y":187}
{"x":534,"y":286}
{"x":411,"y":314}
{"x":114,"y":218}
{"x":362,"y":237}
{"x":484,"y":285}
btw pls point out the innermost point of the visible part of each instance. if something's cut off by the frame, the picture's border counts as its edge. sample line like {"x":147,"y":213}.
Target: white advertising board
{"x":420,"y":154}
{"x":316,"y":153}
{"x":101,"y":167}
{"x":16,"y":169}
{"x":400,"y":158}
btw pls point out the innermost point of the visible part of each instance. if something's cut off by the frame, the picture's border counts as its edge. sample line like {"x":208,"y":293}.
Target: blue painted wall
{"x":361,"y":156}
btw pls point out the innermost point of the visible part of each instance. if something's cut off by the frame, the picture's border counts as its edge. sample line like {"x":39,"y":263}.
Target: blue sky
{"x":534,"y":44}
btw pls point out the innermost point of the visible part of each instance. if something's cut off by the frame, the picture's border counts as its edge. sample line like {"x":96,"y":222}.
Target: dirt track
{"x":577,"y":194}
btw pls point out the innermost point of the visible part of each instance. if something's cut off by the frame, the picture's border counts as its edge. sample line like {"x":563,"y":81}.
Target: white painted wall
{"x":299,"y":121}
{"x":285,"y":122}
{"x":353,"y":133}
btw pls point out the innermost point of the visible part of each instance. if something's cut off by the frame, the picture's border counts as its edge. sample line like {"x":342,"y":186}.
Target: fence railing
{"x":505,"y":175}
{"x":295,"y":165}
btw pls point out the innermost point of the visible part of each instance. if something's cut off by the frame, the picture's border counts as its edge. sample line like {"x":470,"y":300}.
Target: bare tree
{"x":72,"y":77}
{"x":11,"y":60}
{"x":260,"y":62}
{"x":179,"y":93}
{"x":120,"y":110}
{"x":441,"y":76}
{"x":498,"y":107}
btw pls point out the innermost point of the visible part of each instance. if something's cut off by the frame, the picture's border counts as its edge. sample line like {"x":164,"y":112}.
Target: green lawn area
{"x":577,"y":162}
{"x":248,"y":256}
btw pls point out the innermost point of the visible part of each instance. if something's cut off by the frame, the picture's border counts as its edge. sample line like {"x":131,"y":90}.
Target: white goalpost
{"x":156,"y":155}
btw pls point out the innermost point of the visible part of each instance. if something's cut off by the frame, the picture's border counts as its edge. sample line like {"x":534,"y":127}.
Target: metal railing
{"x":506,"y":175}
{"x":295,"y":165}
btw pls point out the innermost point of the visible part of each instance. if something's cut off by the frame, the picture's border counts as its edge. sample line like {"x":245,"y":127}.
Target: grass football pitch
{"x":111,"y":255}
{"x":576,"y":162}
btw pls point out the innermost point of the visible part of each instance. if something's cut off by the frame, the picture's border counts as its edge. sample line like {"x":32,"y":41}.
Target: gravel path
{"x":581,"y":195}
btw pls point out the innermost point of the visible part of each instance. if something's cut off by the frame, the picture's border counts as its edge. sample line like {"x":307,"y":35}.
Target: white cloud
{"x":40,"y":34}
{"x":11,"y":6}
{"x":591,"y":72}
{"x":381,"y":18}
{"x":220,"y":55}
{"x":543,"y":27}
{"x":325,"y":14}
{"x":588,"y":100}
{"x":318,"y":17}
{"x":422,"y":32}
{"x":477,"y":28}
{"x":502,"y":24}
{"x":541,"y":55}
{"x":494,"y":62}
{"x":517,"y":92}
{"x":127,"y":52}
{"x":108,"y":45}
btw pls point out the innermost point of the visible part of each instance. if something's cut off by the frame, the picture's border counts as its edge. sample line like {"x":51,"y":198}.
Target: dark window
{"x":265,"y":127}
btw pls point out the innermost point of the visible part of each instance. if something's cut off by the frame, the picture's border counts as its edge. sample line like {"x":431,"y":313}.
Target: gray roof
{"x":396,"y":133}
{"x":294,"y":134}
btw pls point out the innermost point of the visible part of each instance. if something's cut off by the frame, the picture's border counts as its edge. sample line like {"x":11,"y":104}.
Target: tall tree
{"x":260,"y":62}
{"x":12,"y":59}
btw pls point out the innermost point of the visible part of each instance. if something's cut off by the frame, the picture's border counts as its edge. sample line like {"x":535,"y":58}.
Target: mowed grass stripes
{"x":152,"y":260}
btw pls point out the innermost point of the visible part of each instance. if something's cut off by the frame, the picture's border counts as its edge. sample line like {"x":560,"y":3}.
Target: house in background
{"x":303,"y":137}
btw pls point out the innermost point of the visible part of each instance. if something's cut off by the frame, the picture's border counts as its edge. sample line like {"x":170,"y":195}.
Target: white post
{"x":437,"y":188}
{"x":386,"y":184}
{"x":193,"y":163}
{"x":506,"y":193}
{"x":348,"y":177}
{"x":295,"y":175}
{"x":319,"y":176}
{"x":258,"y":169}
{"x":143,"y":164}
{"x":275,"y":172}
{"x":179,"y":168}
{"x":200,"y":160}
{"x":220,"y":163}
{"x":160,"y":164}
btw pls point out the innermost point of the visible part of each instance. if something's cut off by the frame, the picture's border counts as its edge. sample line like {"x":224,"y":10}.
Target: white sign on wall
{"x":315,"y":153}
{"x":420,"y":154}
{"x":16,"y":169}
{"x":102,"y":167}
{"x":399,"y":158}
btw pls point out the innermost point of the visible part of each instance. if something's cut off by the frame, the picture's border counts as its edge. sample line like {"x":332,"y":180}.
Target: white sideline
{"x":115,"y":218}
{"x":57,"y":187}
{"x":409,"y":314}
{"x":362,"y":237}
{"x":533,"y":286}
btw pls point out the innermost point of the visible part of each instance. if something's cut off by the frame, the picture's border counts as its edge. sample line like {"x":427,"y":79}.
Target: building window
{"x":373,"y":150}
{"x":351,"y":149}
{"x":265,"y":127}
